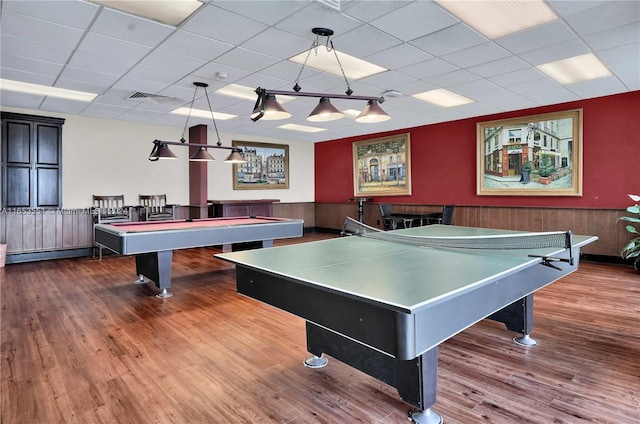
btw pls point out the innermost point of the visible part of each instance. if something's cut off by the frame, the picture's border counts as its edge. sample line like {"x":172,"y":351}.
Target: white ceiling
{"x":79,"y":45}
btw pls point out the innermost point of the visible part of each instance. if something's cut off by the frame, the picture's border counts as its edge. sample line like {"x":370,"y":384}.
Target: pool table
{"x":153,"y":243}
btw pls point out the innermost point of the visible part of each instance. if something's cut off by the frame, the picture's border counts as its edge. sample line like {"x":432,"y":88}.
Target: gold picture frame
{"x":536,"y":155}
{"x":381,"y":166}
{"x":267,"y":166}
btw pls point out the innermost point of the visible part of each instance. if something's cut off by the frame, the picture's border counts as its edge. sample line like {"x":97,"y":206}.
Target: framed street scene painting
{"x":537,"y":155}
{"x":267,"y":166}
{"x":381,"y":166}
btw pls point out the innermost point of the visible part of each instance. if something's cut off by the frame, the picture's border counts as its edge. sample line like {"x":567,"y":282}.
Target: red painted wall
{"x":443,"y":160}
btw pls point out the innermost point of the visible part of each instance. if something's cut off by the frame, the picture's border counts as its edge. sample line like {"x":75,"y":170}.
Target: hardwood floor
{"x":80,"y":343}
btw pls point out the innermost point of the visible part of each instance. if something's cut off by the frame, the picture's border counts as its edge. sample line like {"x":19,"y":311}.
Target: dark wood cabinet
{"x":31,"y":161}
{"x":230,"y":208}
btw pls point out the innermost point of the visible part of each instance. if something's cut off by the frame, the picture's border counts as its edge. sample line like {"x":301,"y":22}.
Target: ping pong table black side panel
{"x":415,"y":379}
{"x":365,"y":322}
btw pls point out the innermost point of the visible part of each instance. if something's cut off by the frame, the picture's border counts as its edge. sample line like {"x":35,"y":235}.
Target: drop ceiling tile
{"x":171,"y":61}
{"x":40,"y":31}
{"x":550,"y":95}
{"x":34,"y":50}
{"x":623,"y":53}
{"x":387,"y":80}
{"x":30,"y":77}
{"x":607,"y":16}
{"x":452,"y":78}
{"x":86,"y":75}
{"x":278,"y":43}
{"x":211,"y":69}
{"x":628,"y":74}
{"x":63,"y":105}
{"x":558,"y":51}
{"x":358,"y":42}
{"x":222,"y":25}
{"x":537,"y":37}
{"x":30,"y":65}
{"x":103,"y":111}
{"x":476,"y":55}
{"x":498,"y":67}
{"x":595,"y":88}
{"x":470,"y":88}
{"x":428,"y":68}
{"x":74,"y":14}
{"x":133,"y":29}
{"x":193,"y":45}
{"x":504,"y":100}
{"x":448,"y":40}
{"x":418,"y":19}
{"x":566,"y":8}
{"x":414,"y":87}
{"x":268,"y":13}
{"x":133,"y":84}
{"x":625,"y":34}
{"x":154,"y":74}
{"x":517,"y":77}
{"x":529,"y":88}
{"x":246,"y":59}
{"x":366,"y":11}
{"x":315,"y":15}
{"x":398,"y":57}
{"x":22,"y":100}
{"x":286,"y":70}
{"x":112,"y":48}
{"x":90,"y":61}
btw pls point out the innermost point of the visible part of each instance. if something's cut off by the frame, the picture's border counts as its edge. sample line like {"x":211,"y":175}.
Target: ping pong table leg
{"x":415,"y":379}
{"x":518,"y":317}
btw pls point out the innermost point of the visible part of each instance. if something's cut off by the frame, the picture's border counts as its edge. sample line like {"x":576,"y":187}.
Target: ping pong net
{"x":535,"y":240}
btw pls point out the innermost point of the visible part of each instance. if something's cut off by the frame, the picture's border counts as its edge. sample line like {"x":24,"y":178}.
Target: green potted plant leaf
{"x":632,"y":249}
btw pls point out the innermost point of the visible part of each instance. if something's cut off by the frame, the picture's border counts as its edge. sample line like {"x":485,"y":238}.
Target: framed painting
{"x":381,"y":166}
{"x":267,"y":166}
{"x":537,"y":155}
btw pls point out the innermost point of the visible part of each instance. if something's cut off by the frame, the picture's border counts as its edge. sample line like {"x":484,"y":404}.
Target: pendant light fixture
{"x":161,"y":148}
{"x":268,"y":108}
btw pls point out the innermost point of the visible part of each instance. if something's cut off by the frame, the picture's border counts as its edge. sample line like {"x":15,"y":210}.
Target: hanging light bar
{"x":268,"y":108}
{"x":161,"y":148}
{"x":161,"y":151}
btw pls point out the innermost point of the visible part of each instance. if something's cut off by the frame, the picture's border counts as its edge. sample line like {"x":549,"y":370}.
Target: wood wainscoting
{"x":596,"y":222}
{"x":34,"y":234}
{"x":52,"y":233}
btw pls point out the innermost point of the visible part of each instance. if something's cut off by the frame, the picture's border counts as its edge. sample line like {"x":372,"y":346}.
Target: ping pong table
{"x":384,"y":307}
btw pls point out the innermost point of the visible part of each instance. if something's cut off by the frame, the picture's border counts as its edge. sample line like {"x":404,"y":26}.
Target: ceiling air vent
{"x":333,"y":4}
{"x":139,"y":96}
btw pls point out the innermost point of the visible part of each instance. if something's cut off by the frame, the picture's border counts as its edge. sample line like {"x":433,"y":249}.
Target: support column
{"x":197,"y":175}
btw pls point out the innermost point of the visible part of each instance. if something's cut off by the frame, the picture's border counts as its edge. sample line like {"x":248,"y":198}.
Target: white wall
{"x":105,"y":156}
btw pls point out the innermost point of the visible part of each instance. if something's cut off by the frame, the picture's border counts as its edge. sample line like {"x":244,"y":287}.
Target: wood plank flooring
{"x":80,"y":343}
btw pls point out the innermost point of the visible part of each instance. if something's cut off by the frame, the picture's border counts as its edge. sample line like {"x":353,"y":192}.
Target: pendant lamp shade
{"x":201,"y":155}
{"x":324,"y":112}
{"x":273,"y":110}
{"x":372,"y":113}
{"x":235,"y":157}
{"x":162,"y":151}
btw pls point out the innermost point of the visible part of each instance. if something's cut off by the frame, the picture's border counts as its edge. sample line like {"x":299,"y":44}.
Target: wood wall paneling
{"x":598,"y":222}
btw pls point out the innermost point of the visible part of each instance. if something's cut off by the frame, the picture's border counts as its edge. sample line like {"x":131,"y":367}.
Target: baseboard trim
{"x":16,"y":258}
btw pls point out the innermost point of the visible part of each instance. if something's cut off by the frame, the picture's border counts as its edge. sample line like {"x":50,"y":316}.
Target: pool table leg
{"x":156,"y":266}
